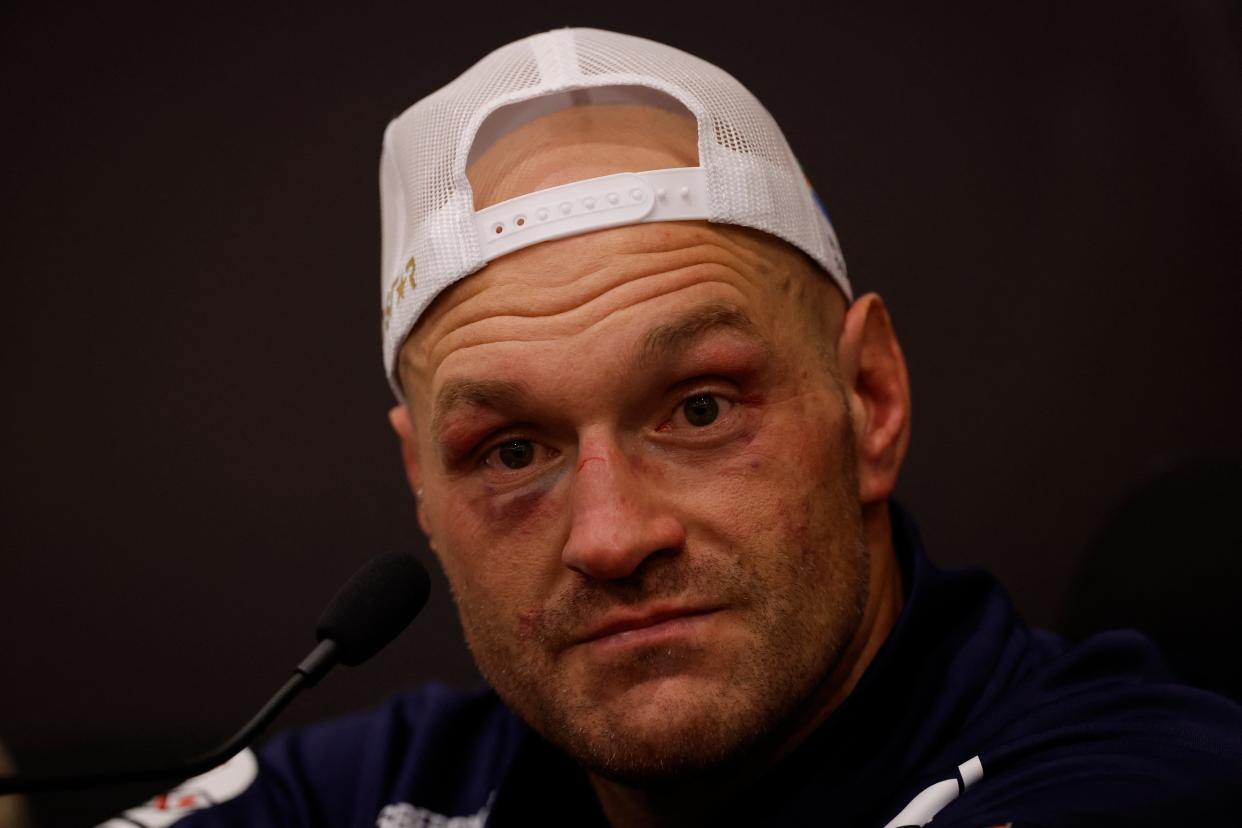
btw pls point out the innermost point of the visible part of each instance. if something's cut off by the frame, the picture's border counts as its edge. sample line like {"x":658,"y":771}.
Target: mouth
{"x":647,"y":627}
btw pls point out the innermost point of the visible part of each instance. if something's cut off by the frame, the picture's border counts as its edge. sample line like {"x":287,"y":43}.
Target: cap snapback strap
{"x":675,"y":194}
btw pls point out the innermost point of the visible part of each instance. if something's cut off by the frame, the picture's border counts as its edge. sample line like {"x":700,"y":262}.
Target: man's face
{"x":638,"y":473}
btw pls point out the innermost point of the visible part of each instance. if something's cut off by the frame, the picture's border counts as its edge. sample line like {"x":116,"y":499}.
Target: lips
{"x":651,"y":620}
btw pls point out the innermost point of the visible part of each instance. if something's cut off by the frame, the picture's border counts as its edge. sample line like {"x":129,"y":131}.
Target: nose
{"x":617,"y":521}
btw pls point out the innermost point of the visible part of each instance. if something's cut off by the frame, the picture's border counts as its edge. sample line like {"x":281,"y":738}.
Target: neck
{"x":698,"y":800}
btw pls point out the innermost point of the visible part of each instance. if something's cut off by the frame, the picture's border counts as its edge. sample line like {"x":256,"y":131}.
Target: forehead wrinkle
{"x":563,"y":318}
{"x":602,"y":254}
{"x":598,"y":259}
{"x":535,"y":339}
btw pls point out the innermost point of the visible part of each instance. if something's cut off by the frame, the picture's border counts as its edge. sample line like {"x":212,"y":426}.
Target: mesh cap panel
{"x":429,"y":234}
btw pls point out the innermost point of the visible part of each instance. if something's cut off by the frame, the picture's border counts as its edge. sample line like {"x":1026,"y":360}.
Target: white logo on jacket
{"x":217,"y":785}
{"x":405,"y":815}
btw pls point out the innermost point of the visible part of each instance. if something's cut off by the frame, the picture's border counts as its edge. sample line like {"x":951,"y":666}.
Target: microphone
{"x":369,"y":611}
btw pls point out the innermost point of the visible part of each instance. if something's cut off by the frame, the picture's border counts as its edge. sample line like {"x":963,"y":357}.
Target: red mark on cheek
{"x":529,"y":623}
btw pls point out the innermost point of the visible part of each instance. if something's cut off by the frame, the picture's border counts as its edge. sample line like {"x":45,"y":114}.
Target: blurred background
{"x":193,"y":436}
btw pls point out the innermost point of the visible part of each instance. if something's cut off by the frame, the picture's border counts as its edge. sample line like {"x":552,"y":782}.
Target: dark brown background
{"x":193,"y":438}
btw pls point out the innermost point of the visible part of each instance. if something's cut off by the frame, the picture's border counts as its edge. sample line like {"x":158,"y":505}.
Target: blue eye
{"x":701,"y":410}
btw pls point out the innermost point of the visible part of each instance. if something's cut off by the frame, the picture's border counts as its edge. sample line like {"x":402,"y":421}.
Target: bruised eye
{"x":515,"y":454}
{"x":701,"y":410}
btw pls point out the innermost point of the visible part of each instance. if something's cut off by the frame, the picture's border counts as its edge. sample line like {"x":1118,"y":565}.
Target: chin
{"x":650,"y":757}
{"x":665,"y":729}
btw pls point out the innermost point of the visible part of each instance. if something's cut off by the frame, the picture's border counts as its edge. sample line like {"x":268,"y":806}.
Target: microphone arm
{"x":307,"y":674}
{"x":369,"y":611}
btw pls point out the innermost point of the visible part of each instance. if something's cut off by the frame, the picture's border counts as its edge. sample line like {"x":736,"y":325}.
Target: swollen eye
{"x":701,"y":410}
{"x":516,"y":454}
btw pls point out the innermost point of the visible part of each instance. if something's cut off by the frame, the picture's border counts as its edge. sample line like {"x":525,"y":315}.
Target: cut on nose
{"x":616,"y":521}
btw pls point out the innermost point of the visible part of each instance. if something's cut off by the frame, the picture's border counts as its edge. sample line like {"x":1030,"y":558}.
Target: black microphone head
{"x":374,"y":606}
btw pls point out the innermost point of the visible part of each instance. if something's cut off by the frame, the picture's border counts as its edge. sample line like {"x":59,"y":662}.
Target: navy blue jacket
{"x":1046,"y":732}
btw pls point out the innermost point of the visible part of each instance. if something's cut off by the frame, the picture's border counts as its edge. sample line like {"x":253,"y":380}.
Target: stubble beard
{"x":806,"y":606}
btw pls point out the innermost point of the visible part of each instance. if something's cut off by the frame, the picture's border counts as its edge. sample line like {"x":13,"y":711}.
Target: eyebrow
{"x":667,"y":339}
{"x":494,"y":394}
{"x":659,"y":343}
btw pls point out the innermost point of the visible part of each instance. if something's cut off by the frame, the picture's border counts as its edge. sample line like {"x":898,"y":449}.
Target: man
{"x":653,"y":438}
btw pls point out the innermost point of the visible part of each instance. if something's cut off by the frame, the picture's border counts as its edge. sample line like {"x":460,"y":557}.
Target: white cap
{"x":432,"y":235}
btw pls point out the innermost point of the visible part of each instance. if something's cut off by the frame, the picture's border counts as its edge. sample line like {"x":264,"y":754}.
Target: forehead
{"x":606,"y":287}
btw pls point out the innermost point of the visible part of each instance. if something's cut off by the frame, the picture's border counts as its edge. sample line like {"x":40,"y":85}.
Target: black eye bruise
{"x":516,"y":454}
{"x":702,"y":410}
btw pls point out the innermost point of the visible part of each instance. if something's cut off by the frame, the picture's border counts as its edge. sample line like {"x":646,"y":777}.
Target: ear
{"x":399,"y":416}
{"x":877,"y":388}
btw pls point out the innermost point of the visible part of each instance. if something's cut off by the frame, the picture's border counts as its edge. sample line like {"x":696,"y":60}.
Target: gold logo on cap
{"x":409,"y":271}
{"x":398,"y":288}
{"x":407,"y":276}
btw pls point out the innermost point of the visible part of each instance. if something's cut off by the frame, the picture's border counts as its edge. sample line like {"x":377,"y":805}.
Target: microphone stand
{"x":307,"y":674}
